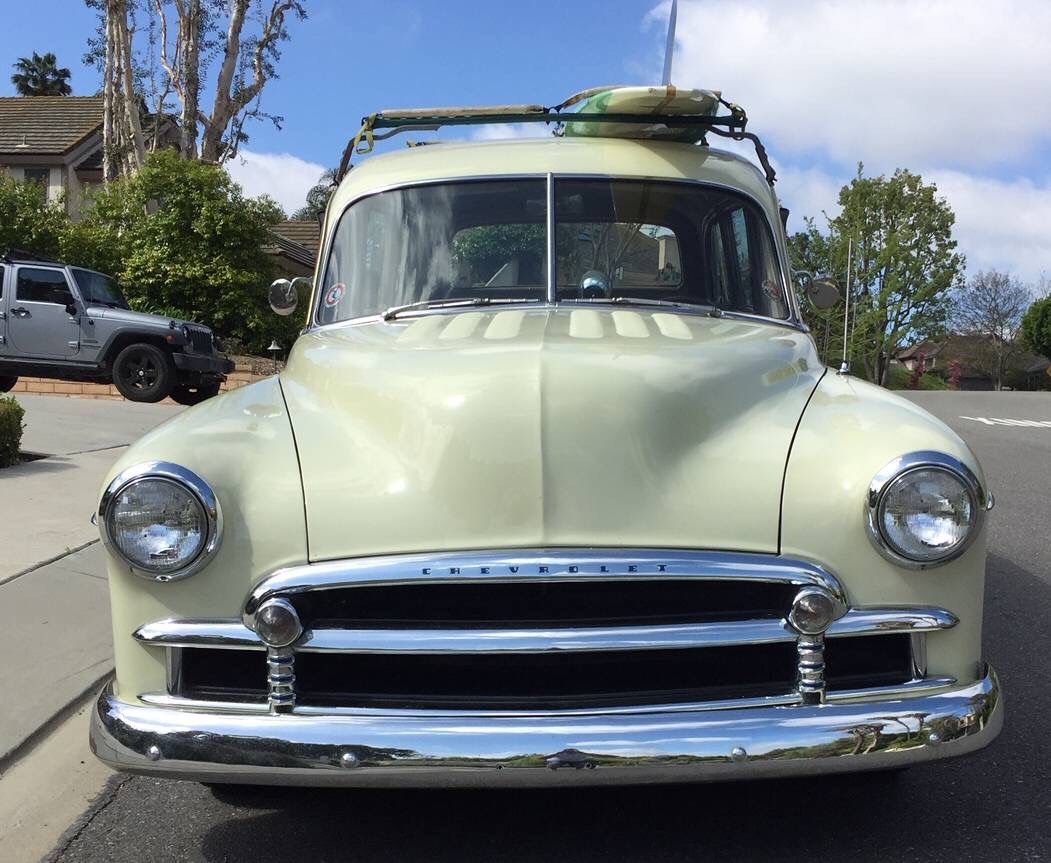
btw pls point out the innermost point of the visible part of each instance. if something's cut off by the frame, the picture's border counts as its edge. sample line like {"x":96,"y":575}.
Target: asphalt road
{"x":995,"y":805}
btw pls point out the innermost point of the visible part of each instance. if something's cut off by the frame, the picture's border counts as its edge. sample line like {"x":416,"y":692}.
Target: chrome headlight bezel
{"x":188,"y":481}
{"x":890,"y":474}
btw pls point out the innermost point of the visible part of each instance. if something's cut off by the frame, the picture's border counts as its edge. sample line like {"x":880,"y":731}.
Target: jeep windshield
{"x":98,"y":289}
{"x":475,"y":243}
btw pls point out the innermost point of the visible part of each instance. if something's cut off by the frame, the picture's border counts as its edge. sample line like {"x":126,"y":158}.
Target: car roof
{"x":613,"y":157}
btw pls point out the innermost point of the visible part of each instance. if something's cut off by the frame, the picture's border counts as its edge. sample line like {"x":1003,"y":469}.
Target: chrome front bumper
{"x":651,"y":745}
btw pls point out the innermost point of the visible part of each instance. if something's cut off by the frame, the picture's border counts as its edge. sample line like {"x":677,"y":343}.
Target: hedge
{"x":11,"y":426}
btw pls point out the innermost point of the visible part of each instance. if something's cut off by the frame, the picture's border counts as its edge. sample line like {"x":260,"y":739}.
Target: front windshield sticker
{"x":335,"y":294}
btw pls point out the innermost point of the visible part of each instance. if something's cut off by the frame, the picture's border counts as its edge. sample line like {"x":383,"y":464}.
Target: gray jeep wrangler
{"x":69,"y":323}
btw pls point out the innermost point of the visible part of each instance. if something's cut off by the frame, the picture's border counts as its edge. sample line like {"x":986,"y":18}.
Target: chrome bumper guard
{"x":623,"y":747}
{"x":283,"y":739}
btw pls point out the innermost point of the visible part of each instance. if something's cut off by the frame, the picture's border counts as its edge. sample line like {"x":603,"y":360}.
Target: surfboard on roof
{"x":665,"y":99}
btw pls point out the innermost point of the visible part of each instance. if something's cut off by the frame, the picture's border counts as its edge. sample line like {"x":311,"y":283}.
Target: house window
{"x":39,"y":177}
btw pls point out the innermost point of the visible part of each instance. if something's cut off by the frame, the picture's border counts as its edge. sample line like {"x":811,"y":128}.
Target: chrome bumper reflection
{"x":617,"y":748}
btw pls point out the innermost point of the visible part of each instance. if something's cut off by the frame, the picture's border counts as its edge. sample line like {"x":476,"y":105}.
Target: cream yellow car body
{"x":547,"y":427}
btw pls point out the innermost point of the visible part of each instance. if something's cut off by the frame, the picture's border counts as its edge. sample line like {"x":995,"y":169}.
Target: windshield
{"x":99,"y":289}
{"x":616,"y":241}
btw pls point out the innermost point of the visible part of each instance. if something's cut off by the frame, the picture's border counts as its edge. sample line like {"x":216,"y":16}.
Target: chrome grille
{"x":545,"y":630}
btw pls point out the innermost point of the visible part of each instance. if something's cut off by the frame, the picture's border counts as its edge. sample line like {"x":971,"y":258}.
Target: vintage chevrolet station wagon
{"x":554,"y":488}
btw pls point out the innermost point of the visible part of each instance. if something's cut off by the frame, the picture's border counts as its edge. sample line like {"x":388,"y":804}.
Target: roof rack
{"x":13,"y":254}
{"x":731,"y":125}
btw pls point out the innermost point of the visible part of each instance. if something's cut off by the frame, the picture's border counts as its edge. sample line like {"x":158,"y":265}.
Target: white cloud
{"x":509,"y":131}
{"x":953,"y":89}
{"x":1000,"y":224}
{"x":282,"y":176}
{"x":952,"y":82}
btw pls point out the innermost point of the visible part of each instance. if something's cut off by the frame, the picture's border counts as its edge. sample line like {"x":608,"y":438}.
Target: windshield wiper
{"x":467,"y":302}
{"x":641,"y":301}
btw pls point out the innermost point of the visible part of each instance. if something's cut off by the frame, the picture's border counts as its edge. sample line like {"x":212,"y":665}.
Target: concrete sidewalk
{"x":46,"y":505}
{"x":55,"y":632}
{"x":54,"y":600}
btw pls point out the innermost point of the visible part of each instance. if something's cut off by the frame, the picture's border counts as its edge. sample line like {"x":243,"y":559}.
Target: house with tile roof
{"x":293,"y":247}
{"x":55,"y":141}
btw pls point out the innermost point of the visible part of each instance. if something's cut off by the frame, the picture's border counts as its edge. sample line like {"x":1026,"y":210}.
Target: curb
{"x":9,"y":578}
{"x":20,"y":750}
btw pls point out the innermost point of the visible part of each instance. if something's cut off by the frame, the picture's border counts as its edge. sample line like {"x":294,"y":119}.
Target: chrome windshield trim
{"x":857,"y":621}
{"x":912,"y":687}
{"x":545,"y":564}
{"x":793,"y":321}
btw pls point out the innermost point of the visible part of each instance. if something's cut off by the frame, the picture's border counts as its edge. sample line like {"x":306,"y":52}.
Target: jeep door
{"x":38,"y":323}
{"x":5,"y":348}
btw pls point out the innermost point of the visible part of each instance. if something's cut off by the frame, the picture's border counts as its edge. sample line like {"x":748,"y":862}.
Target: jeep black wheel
{"x":143,"y":373}
{"x":189,"y":395}
{"x":7,"y":382}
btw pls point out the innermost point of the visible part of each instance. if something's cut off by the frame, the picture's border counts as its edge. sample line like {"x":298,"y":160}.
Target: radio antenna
{"x":844,"y":368}
{"x":669,"y":48}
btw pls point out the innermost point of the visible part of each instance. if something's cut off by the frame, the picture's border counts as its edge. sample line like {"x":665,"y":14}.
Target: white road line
{"x":997,"y":421}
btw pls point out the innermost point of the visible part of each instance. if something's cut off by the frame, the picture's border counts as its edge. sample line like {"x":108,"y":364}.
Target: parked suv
{"x":69,"y":323}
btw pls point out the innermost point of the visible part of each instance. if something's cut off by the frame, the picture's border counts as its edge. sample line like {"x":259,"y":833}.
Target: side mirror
{"x":284,"y":295}
{"x":823,"y":293}
{"x":71,"y":309}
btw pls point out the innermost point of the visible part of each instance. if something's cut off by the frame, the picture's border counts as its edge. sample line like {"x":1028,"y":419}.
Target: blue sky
{"x":954,"y":89}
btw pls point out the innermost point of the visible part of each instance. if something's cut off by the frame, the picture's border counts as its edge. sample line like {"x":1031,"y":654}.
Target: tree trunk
{"x":222,"y":108}
{"x":108,"y":131}
{"x":137,"y":149}
{"x":190,"y":33}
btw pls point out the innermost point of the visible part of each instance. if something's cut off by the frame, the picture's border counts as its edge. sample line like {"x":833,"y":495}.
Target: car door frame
{"x":5,"y":348}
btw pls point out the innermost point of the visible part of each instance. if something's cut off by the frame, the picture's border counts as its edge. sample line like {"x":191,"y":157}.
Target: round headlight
{"x":925,"y":509}
{"x":162,"y":519}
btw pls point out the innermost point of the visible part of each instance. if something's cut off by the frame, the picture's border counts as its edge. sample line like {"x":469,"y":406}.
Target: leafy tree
{"x":990,"y":306}
{"x":904,"y":263}
{"x":182,"y":239}
{"x":176,"y":46}
{"x":317,"y":198}
{"x":811,"y":252}
{"x":41,"y":76}
{"x":1036,"y":327}
{"x":27,"y":221}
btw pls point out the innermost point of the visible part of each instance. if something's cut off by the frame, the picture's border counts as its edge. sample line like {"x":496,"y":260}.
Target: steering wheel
{"x":594,"y":285}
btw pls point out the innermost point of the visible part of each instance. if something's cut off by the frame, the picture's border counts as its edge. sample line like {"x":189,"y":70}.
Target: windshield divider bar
{"x":552,"y":292}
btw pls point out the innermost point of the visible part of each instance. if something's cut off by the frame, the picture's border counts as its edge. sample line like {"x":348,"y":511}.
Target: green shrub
{"x":898,"y":379}
{"x":11,"y":426}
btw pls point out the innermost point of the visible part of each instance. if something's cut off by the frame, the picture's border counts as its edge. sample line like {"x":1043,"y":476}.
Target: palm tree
{"x":41,"y":76}
{"x":317,"y":198}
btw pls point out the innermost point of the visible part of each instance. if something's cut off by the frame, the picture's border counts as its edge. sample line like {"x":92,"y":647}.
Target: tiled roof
{"x":304,"y":233}
{"x":47,"y":125}
{"x":284,"y":247}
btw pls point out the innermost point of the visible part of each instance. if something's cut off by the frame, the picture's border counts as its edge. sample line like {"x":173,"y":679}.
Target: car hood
{"x":142,"y":319}
{"x":533,"y":428}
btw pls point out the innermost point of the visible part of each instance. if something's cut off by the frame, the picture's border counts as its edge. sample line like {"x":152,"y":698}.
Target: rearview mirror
{"x":284,"y":295}
{"x":823,"y":293}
